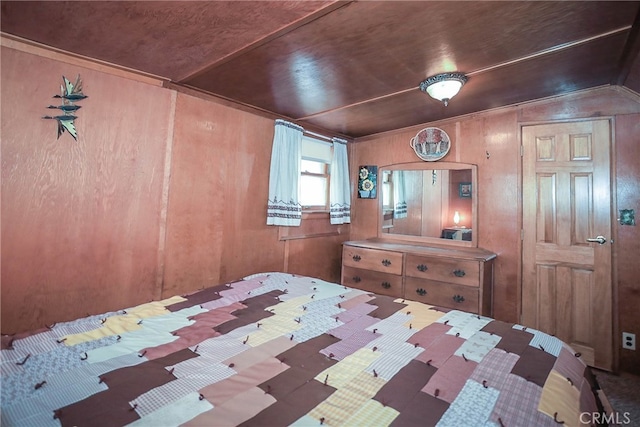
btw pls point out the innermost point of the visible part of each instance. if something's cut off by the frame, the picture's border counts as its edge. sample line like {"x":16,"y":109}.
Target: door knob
{"x":600,"y":240}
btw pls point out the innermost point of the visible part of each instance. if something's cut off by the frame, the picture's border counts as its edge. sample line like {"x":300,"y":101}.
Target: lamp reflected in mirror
{"x":421,"y":202}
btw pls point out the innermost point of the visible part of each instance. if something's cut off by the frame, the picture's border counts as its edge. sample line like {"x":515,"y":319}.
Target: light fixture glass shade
{"x":444,"y":86}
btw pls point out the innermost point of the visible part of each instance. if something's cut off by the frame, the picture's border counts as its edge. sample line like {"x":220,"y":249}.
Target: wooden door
{"x":566,"y":280}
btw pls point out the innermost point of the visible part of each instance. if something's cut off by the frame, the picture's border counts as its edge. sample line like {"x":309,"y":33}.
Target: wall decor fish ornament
{"x":69,"y":94}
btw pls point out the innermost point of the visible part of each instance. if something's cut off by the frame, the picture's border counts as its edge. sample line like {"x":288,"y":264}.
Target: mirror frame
{"x":425,"y":239}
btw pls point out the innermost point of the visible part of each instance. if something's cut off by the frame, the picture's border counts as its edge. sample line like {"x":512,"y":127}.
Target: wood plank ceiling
{"x":350,"y":67}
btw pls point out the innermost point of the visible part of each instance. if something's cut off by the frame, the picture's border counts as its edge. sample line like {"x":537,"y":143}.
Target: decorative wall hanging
{"x":69,"y":94}
{"x":464,"y":190}
{"x":367,"y":182}
{"x":431,"y":144}
{"x":627,"y":217}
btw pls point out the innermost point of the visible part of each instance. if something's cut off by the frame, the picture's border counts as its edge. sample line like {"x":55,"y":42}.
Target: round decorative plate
{"x":431,"y":144}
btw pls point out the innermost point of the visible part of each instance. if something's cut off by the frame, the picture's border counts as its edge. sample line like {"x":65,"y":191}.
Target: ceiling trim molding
{"x":270,"y":37}
{"x":44,"y":51}
{"x":207,"y":96}
{"x":502,"y":109}
{"x":550,"y":50}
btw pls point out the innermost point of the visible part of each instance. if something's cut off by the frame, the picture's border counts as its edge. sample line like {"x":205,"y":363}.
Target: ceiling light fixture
{"x":443,"y":86}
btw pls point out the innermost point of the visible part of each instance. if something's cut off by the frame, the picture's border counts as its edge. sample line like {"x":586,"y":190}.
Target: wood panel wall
{"x":627,"y":132}
{"x":492,"y":141}
{"x":80,"y":219}
{"x":163,"y":193}
{"x":216,"y":226}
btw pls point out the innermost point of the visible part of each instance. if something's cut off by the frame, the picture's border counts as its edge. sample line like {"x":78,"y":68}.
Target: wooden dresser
{"x":459,"y":278}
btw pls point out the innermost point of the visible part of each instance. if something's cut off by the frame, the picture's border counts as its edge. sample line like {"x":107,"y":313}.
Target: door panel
{"x":566,"y":280}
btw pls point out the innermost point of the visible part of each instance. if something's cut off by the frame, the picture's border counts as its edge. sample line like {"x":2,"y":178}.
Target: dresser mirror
{"x":433,"y":203}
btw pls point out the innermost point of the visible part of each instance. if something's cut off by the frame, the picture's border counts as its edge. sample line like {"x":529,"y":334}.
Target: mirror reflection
{"x":434,"y":203}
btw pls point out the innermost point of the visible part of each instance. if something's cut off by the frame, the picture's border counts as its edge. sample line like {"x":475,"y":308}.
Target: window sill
{"x":314,"y":224}
{"x":315,"y":214}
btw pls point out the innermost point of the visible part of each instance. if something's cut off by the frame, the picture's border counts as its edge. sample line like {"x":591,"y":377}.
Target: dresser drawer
{"x":458,"y":297}
{"x":443,"y":269}
{"x":372,"y":259}
{"x":372,"y":281}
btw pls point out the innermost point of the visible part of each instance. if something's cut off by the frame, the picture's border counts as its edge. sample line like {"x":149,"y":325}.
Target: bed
{"x":277,"y":349}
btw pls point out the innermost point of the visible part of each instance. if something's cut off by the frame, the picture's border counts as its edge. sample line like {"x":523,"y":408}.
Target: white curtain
{"x":283,"y":207}
{"x":399,"y":198}
{"x":339,"y":188}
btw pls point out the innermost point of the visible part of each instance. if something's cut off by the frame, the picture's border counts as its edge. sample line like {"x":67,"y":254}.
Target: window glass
{"x":314,"y":177}
{"x":311,"y":166}
{"x":387,"y":190}
{"x":313,"y":191}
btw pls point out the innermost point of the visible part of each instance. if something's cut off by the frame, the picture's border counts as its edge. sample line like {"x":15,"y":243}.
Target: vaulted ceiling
{"x":351,"y":67}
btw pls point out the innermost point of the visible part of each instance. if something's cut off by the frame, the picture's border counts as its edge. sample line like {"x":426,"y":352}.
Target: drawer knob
{"x":421,"y":292}
{"x":357,"y":279}
{"x":422,"y":268}
{"x":386,"y":262}
{"x":458,"y":298}
{"x":386,"y":285}
{"x":356,"y":258}
{"x":458,"y":273}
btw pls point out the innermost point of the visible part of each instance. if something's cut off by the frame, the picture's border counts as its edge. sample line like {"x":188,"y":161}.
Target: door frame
{"x":612,"y":212}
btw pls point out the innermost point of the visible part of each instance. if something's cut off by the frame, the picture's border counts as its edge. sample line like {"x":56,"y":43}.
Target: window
{"x":387,"y":191}
{"x":314,"y":176}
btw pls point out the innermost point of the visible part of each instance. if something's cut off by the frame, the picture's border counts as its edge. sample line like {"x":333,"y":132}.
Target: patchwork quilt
{"x":276,"y":349}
